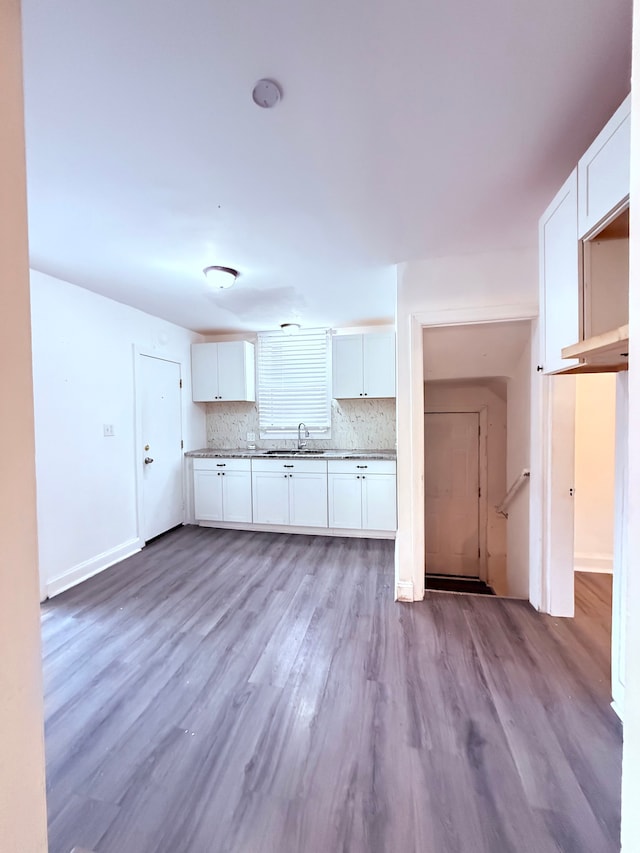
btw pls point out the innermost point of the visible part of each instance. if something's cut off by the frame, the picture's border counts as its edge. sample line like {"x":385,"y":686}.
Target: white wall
{"x":23,"y":826}
{"x":472,"y":397}
{"x":490,"y":286}
{"x":631,"y":751}
{"x":519,"y":458}
{"x":355,"y":425}
{"x":594,"y":473}
{"x":83,"y":371}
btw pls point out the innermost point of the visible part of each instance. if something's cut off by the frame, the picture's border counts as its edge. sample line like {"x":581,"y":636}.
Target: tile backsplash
{"x":355,"y":425}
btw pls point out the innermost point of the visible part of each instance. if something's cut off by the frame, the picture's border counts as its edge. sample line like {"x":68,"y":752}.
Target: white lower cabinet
{"x":345,"y":501}
{"x":222,"y":490}
{"x":341,"y":494}
{"x":290,"y":492}
{"x":270,"y":497}
{"x":379,"y":502}
{"x":362,"y":494}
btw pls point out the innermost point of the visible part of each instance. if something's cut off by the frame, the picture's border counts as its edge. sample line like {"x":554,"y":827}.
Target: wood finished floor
{"x":236,"y":692}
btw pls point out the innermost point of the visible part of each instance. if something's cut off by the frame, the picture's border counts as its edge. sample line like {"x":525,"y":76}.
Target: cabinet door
{"x":207,"y":495}
{"x":378,"y":502}
{"x":347,"y":366}
{"x":379,"y":358}
{"x":236,"y":370}
{"x":308,"y":499}
{"x":603,"y":171}
{"x":204,"y":372}
{"x":345,"y":501}
{"x":559,"y":272}
{"x":270,"y":497}
{"x":236,"y":496}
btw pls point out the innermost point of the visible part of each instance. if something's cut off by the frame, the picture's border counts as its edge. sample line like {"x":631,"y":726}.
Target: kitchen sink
{"x":292,"y":452}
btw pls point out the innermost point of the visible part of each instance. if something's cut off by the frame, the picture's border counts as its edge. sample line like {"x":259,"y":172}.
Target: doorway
{"x":583,"y":497}
{"x":452,"y":493}
{"x":159,"y":446}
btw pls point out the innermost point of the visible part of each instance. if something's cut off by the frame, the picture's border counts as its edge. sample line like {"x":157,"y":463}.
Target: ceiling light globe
{"x":220,"y":278}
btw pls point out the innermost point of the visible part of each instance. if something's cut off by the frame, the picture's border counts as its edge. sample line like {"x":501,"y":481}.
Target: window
{"x":294,"y":383}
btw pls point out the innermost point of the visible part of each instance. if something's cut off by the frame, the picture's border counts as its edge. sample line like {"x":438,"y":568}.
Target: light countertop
{"x":235,"y":453}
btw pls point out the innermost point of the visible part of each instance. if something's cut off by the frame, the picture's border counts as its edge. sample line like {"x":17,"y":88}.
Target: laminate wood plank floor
{"x":245,"y":692}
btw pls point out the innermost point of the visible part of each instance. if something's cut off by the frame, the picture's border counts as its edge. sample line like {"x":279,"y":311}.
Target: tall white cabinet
{"x":604,"y":171}
{"x":584,"y":323}
{"x":559,"y":276}
{"x":364,"y":365}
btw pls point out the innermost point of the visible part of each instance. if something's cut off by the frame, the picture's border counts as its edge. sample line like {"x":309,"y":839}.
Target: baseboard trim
{"x":617,"y":707}
{"x":309,"y":531}
{"x":594,"y":562}
{"x":93,"y":566}
{"x":404,"y":591}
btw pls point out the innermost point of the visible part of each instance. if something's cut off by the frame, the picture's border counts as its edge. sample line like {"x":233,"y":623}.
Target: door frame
{"x":483,"y":480}
{"x":139,"y":352}
{"x":410,"y":544}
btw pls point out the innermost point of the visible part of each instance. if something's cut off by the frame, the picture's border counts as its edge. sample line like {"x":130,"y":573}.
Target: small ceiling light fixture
{"x":290,"y":328}
{"x":220,"y":277}
{"x":266,"y":94}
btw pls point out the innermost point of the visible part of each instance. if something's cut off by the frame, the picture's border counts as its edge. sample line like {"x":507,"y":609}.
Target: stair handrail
{"x":513,"y":491}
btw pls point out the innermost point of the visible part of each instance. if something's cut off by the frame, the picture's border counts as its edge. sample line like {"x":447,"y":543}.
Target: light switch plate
{"x":108,"y":430}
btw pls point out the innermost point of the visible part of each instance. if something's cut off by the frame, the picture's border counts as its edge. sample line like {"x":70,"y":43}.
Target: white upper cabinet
{"x":559,"y":277}
{"x":364,"y":365}
{"x":603,"y":172}
{"x":223,"y":371}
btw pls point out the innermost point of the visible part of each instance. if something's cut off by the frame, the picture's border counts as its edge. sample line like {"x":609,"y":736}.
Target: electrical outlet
{"x":251,"y":436}
{"x":108,"y":430}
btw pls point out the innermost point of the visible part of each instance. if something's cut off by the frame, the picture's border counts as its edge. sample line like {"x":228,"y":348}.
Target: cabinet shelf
{"x":604,"y":353}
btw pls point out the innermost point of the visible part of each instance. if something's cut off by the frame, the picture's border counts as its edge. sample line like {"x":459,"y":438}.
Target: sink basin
{"x":292,"y":452}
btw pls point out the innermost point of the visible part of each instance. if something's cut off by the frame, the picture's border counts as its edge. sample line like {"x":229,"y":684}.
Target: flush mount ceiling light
{"x":266,"y":94}
{"x":220,"y":277}
{"x":290,"y":328}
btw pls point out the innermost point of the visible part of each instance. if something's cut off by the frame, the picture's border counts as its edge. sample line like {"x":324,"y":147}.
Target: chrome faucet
{"x":302,"y":431}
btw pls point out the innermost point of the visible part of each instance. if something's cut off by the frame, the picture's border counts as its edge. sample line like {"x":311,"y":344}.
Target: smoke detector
{"x":266,"y":94}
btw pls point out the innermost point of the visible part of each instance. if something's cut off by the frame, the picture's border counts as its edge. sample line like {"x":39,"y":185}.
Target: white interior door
{"x":558,"y":473}
{"x":452,"y":501}
{"x":160,"y":451}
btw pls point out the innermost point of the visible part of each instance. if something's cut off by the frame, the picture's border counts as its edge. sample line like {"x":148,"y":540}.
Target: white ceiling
{"x":406,"y":130}
{"x":476,"y":351}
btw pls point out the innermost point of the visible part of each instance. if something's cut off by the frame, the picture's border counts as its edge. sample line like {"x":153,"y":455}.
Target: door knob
{"x":148,"y":460}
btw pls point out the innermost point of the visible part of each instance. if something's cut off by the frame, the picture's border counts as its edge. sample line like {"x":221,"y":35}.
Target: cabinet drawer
{"x":221,"y":464}
{"x":307,"y":466}
{"x":362,"y":466}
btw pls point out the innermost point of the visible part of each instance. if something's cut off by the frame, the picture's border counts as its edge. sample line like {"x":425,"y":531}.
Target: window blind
{"x":294,"y":380}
